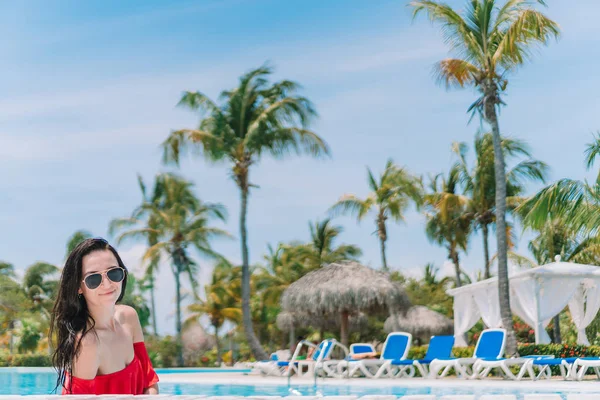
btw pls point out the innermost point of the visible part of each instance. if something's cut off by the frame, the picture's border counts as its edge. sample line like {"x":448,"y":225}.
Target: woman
{"x":100,"y":345}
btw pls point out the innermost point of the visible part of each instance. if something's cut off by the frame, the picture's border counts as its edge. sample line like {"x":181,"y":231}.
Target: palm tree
{"x":144,"y":213}
{"x":7,"y":269}
{"x":220,"y":303}
{"x":565,"y":216}
{"x":491,"y":41}
{"x":76,"y":238}
{"x":479,"y":182}
{"x":575,"y":202}
{"x":389,"y":198}
{"x":430,"y":272}
{"x":182,"y":222}
{"x":255,"y":119}
{"x":448,"y":220}
{"x":284,"y":265}
{"x":320,"y":250}
{"x":14,"y":305}
{"x":40,"y":286}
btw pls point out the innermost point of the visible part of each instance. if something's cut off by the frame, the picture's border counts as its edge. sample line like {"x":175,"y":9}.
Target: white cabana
{"x":536,"y":296}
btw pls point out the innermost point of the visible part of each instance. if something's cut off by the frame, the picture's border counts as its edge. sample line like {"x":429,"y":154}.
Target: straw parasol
{"x":344,"y":289}
{"x":287,"y":321}
{"x":421,"y":322}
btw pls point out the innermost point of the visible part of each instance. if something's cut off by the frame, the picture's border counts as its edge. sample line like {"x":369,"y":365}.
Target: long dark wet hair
{"x":70,"y":315}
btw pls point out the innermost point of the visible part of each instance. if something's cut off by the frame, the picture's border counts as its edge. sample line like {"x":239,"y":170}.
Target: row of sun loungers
{"x":437,"y":362}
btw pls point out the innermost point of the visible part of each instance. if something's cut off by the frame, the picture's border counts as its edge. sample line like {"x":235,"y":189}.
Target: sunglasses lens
{"x":93,"y":281}
{"x":116,"y":274}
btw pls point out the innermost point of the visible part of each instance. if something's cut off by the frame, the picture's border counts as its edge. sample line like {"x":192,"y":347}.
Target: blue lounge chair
{"x":483,"y":367}
{"x":396,"y":347}
{"x":440,"y":348}
{"x":361,"y":348}
{"x":490,"y":346}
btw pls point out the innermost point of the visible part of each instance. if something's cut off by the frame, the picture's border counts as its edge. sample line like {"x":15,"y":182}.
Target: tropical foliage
{"x":178,"y":221}
{"x":484,"y":189}
{"x":257,"y":118}
{"x":479,"y":182}
{"x":490,"y":40}
{"x":390,"y":197}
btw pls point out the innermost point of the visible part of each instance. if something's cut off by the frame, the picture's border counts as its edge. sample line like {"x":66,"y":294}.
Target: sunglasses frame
{"x":102,"y":274}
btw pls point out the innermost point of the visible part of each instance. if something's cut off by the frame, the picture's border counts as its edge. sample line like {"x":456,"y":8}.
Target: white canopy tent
{"x":536,"y":296}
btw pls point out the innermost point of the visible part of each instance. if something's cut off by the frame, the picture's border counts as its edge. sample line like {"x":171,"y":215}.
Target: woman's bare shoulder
{"x":128,"y":315}
{"x":125,"y":313}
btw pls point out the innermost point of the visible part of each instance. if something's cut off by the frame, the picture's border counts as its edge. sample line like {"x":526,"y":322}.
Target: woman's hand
{"x":152,"y":389}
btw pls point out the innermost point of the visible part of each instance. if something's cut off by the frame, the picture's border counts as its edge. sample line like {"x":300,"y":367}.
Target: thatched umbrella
{"x":287,"y":321}
{"x":344,"y":289}
{"x":421,"y":322}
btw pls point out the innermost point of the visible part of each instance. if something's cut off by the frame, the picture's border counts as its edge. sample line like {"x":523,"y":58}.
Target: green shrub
{"x":163,"y":352}
{"x":25,"y":360}
{"x":417,"y":352}
{"x":559,"y":350}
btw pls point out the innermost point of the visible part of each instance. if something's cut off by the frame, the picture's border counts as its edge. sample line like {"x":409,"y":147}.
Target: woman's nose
{"x":105,"y":281}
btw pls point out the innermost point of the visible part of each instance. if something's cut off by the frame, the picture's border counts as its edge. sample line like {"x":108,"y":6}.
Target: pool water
{"x":42,"y":382}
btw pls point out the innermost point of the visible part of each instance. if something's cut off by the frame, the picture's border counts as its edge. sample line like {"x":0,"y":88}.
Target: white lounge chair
{"x":566,"y":366}
{"x":482,"y":368}
{"x":285,"y":367}
{"x":320,"y":355}
{"x":329,"y":368}
{"x":490,"y":346}
{"x":396,"y":347}
{"x":581,"y":366}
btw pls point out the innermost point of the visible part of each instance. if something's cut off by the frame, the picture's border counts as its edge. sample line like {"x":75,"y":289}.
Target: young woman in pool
{"x":99,"y":343}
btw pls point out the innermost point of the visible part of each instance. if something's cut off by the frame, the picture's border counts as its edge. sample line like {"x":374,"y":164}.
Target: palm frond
{"x":527,"y":28}
{"x":562,"y":198}
{"x":454,"y":73}
{"x":455,"y":29}
{"x":352,"y":205}
{"x":592,"y":151}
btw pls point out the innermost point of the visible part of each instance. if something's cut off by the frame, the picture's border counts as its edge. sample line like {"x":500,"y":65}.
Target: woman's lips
{"x":106,"y":294}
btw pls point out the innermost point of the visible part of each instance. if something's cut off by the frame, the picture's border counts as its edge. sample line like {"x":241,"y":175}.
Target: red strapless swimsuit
{"x":133,"y":379}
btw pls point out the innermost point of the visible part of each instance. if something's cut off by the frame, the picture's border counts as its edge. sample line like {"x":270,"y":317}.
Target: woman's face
{"x":108,"y":292}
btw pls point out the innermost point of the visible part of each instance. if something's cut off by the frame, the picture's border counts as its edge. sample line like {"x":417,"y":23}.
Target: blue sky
{"x":89,"y":92}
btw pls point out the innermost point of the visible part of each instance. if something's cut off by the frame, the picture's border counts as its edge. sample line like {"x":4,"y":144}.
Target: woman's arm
{"x":131,"y":318}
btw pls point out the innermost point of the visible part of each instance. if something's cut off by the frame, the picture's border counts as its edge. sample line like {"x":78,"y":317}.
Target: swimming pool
{"x":40,"y":381}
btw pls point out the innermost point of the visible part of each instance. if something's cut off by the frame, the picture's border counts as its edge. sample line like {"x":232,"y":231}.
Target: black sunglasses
{"x":92,"y":281}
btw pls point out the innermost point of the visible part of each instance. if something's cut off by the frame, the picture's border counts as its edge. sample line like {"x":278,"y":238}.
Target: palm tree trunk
{"x":455,"y":261}
{"x":383,"y":259}
{"x":217,"y":345}
{"x":382,"y":239}
{"x":491,"y":117}
{"x":486,"y":252}
{"x":153,"y":305}
{"x":178,"y":311}
{"x":344,"y":330}
{"x":253,"y":342}
{"x":556,"y":329}
{"x":292,"y":336}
